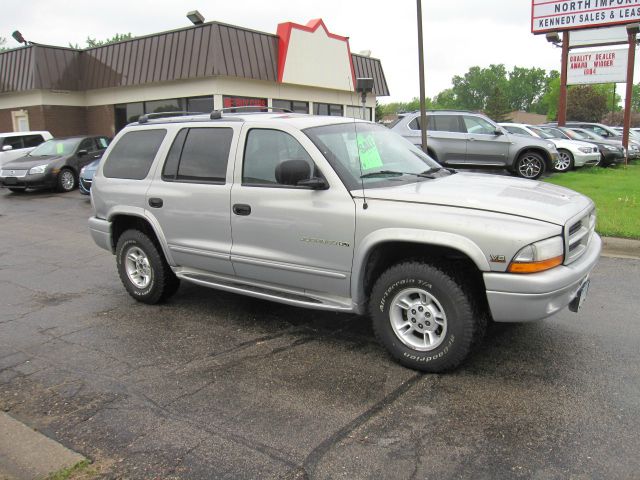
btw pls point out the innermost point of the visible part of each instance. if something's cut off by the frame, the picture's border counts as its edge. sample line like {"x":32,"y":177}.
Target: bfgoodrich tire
{"x":424,"y":317}
{"x":142,"y":268}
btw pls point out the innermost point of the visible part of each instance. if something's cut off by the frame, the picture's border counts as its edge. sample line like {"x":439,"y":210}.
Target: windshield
{"x":556,"y":133}
{"x":55,"y":147}
{"x":543,"y":133}
{"x":373,"y":157}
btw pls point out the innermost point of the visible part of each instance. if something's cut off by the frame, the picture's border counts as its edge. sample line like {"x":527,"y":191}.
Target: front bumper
{"x":39,"y":180}
{"x":610,"y":157}
{"x":525,"y":298}
{"x":582,"y":159}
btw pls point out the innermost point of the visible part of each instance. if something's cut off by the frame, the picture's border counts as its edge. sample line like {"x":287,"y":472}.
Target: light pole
{"x":423,"y":114}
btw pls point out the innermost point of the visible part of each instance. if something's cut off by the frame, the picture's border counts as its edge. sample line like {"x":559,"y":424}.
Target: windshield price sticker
{"x":368,"y":152}
{"x":60,"y":148}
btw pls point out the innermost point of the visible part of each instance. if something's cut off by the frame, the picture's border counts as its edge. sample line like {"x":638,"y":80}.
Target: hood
{"x":568,"y":144}
{"x":89,"y":171}
{"x":27,"y":161}
{"x":513,"y":196}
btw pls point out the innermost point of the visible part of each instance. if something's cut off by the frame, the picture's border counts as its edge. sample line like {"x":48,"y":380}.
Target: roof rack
{"x":217,"y":114}
{"x":150,"y":116}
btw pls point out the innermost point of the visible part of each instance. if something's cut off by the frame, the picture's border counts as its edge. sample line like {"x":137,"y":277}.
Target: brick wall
{"x":100,"y":120}
{"x":64,"y":121}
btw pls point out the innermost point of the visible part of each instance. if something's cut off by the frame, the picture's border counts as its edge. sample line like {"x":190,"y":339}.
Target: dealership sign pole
{"x":553,"y":16}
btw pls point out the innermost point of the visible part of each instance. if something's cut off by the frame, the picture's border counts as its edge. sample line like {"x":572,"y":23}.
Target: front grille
{"x":13,"y":173}
{"x":578,"y":235}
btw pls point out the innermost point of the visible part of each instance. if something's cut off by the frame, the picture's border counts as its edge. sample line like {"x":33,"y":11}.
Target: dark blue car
{"x":86,"y":177}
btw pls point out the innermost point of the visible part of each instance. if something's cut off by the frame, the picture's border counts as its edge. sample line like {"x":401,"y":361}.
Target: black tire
{"x":162,"y":282}
{"x":67,"y":180}
{"x":565,"y":161}
{"x":463,"y":320}
{"x":530,"y":165}
{"x":17,"y":190}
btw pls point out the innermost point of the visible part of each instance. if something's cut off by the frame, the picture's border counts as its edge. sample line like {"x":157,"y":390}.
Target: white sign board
{"x":556,"y":15}
{"x":602,"y":66}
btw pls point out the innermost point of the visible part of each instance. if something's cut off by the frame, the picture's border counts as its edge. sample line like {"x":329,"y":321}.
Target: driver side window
{"x":478,"y":125}
{"x":264,"y":155}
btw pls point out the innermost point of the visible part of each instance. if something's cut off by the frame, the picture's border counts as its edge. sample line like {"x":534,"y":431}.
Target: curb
{"x":620,"y":247}
{"x":27,"y":454}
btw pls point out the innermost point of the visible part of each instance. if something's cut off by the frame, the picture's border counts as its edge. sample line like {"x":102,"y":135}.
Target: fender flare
{"x":141,"y":213}
{"x":409,"y":235}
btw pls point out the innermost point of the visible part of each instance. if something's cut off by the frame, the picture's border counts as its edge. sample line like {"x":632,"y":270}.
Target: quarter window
{"x":265,"y":150}
{"x":199,"y":155}
{"x":132,"y":156}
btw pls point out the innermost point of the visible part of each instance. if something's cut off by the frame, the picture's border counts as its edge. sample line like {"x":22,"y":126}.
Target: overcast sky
{"x":458,"y":33}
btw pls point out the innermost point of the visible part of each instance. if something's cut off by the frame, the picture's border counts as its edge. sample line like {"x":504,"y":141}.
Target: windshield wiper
{"x":438,"y":169}
{"x":394,"y":173}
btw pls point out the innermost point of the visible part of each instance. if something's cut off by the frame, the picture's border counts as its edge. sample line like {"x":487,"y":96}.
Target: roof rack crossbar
{"x":150,"y":116}
{"x":217,"y":114}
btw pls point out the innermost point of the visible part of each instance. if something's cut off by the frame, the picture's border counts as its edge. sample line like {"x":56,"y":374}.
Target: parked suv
{"x":16,"y":144}
{"x":465,"y":139}
{"x":341,"y":215}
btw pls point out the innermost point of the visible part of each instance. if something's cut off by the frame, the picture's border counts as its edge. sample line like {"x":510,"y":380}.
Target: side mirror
{"x":291,"y":172}
{"x":82,"y":153}
{"x":6,"y":148}
{"x":498,"y":131}
{"x":314,"y":183}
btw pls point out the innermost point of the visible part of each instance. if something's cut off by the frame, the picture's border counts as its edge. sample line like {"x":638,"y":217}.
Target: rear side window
{"x":446,"y":123}
{"x":132,"y":156}
{"x":199,"y":155}
{"x":415,"y":123}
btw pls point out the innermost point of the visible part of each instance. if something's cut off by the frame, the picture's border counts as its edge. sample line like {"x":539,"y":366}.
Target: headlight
{"x":539,"y":256}
{"x":82,"y":171}
{"x":585,"y":149}
{"x":38,"y":169}
{"x":611,"y":147}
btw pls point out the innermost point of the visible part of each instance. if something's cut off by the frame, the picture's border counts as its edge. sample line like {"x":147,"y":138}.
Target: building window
{"x":356,"y":112}
{"x":168,"y":105}
{"x":230,"y":102}
{"x":200,"y":104}
{"x":126,"y":113}
{"x":292,"y":105}
{"x":330,"y":109}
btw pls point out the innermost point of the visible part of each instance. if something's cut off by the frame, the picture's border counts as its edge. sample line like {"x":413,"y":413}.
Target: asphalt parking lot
{"x":215,"y":385}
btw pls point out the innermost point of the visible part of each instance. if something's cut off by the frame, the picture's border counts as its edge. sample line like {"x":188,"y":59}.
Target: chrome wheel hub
{"x":563,"y":162}
{"x":418,"y":319}
{"x":530,"y":167}
{"x":137,"y":267}
{"x":67,"y":180}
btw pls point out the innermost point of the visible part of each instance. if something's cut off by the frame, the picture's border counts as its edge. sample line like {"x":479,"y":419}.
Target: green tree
{"x":476,"y":86}
{"x":635,"y":98}
{"x":379,"y":112}
{"x":526,"y":87}
{"x":586,"y":104}
{"x":92,"y":42}
{"x":609,"y":91}
{"x":497,"y":107}
{"x":445,"y":100}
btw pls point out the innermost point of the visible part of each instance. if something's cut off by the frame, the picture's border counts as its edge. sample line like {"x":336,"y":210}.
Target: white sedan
{"x":571,"y":153}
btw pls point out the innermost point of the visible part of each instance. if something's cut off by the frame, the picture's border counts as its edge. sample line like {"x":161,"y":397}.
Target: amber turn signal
{"x":533,"y":267}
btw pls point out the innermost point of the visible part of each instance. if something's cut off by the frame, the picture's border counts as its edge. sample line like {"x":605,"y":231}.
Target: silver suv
{"x":340,"y":215}
{"x":466,"y":139}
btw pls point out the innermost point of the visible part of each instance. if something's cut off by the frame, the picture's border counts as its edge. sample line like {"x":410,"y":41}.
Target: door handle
{"x":155,"y":202}
{"x":242,"y":209}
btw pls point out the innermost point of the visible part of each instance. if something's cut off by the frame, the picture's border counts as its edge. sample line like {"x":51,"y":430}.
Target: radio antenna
{"x":363,"y":86}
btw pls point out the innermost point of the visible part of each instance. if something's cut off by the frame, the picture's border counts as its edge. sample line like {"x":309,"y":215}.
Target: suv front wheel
{"x":530,"y":165}
{"x":424,"y":317}
{"x":143,"y":269}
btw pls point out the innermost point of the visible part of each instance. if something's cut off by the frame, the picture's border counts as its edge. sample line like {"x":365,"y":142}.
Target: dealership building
{"x":303,"y":68}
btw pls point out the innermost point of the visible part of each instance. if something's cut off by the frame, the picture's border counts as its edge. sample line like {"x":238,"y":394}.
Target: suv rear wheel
{"x":530,"y":165}
{"x":143,"y":269}
{"x":424,"y":317}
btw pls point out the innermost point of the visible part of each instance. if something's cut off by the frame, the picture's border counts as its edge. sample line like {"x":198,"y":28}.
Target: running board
{"x":297,"y":298}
